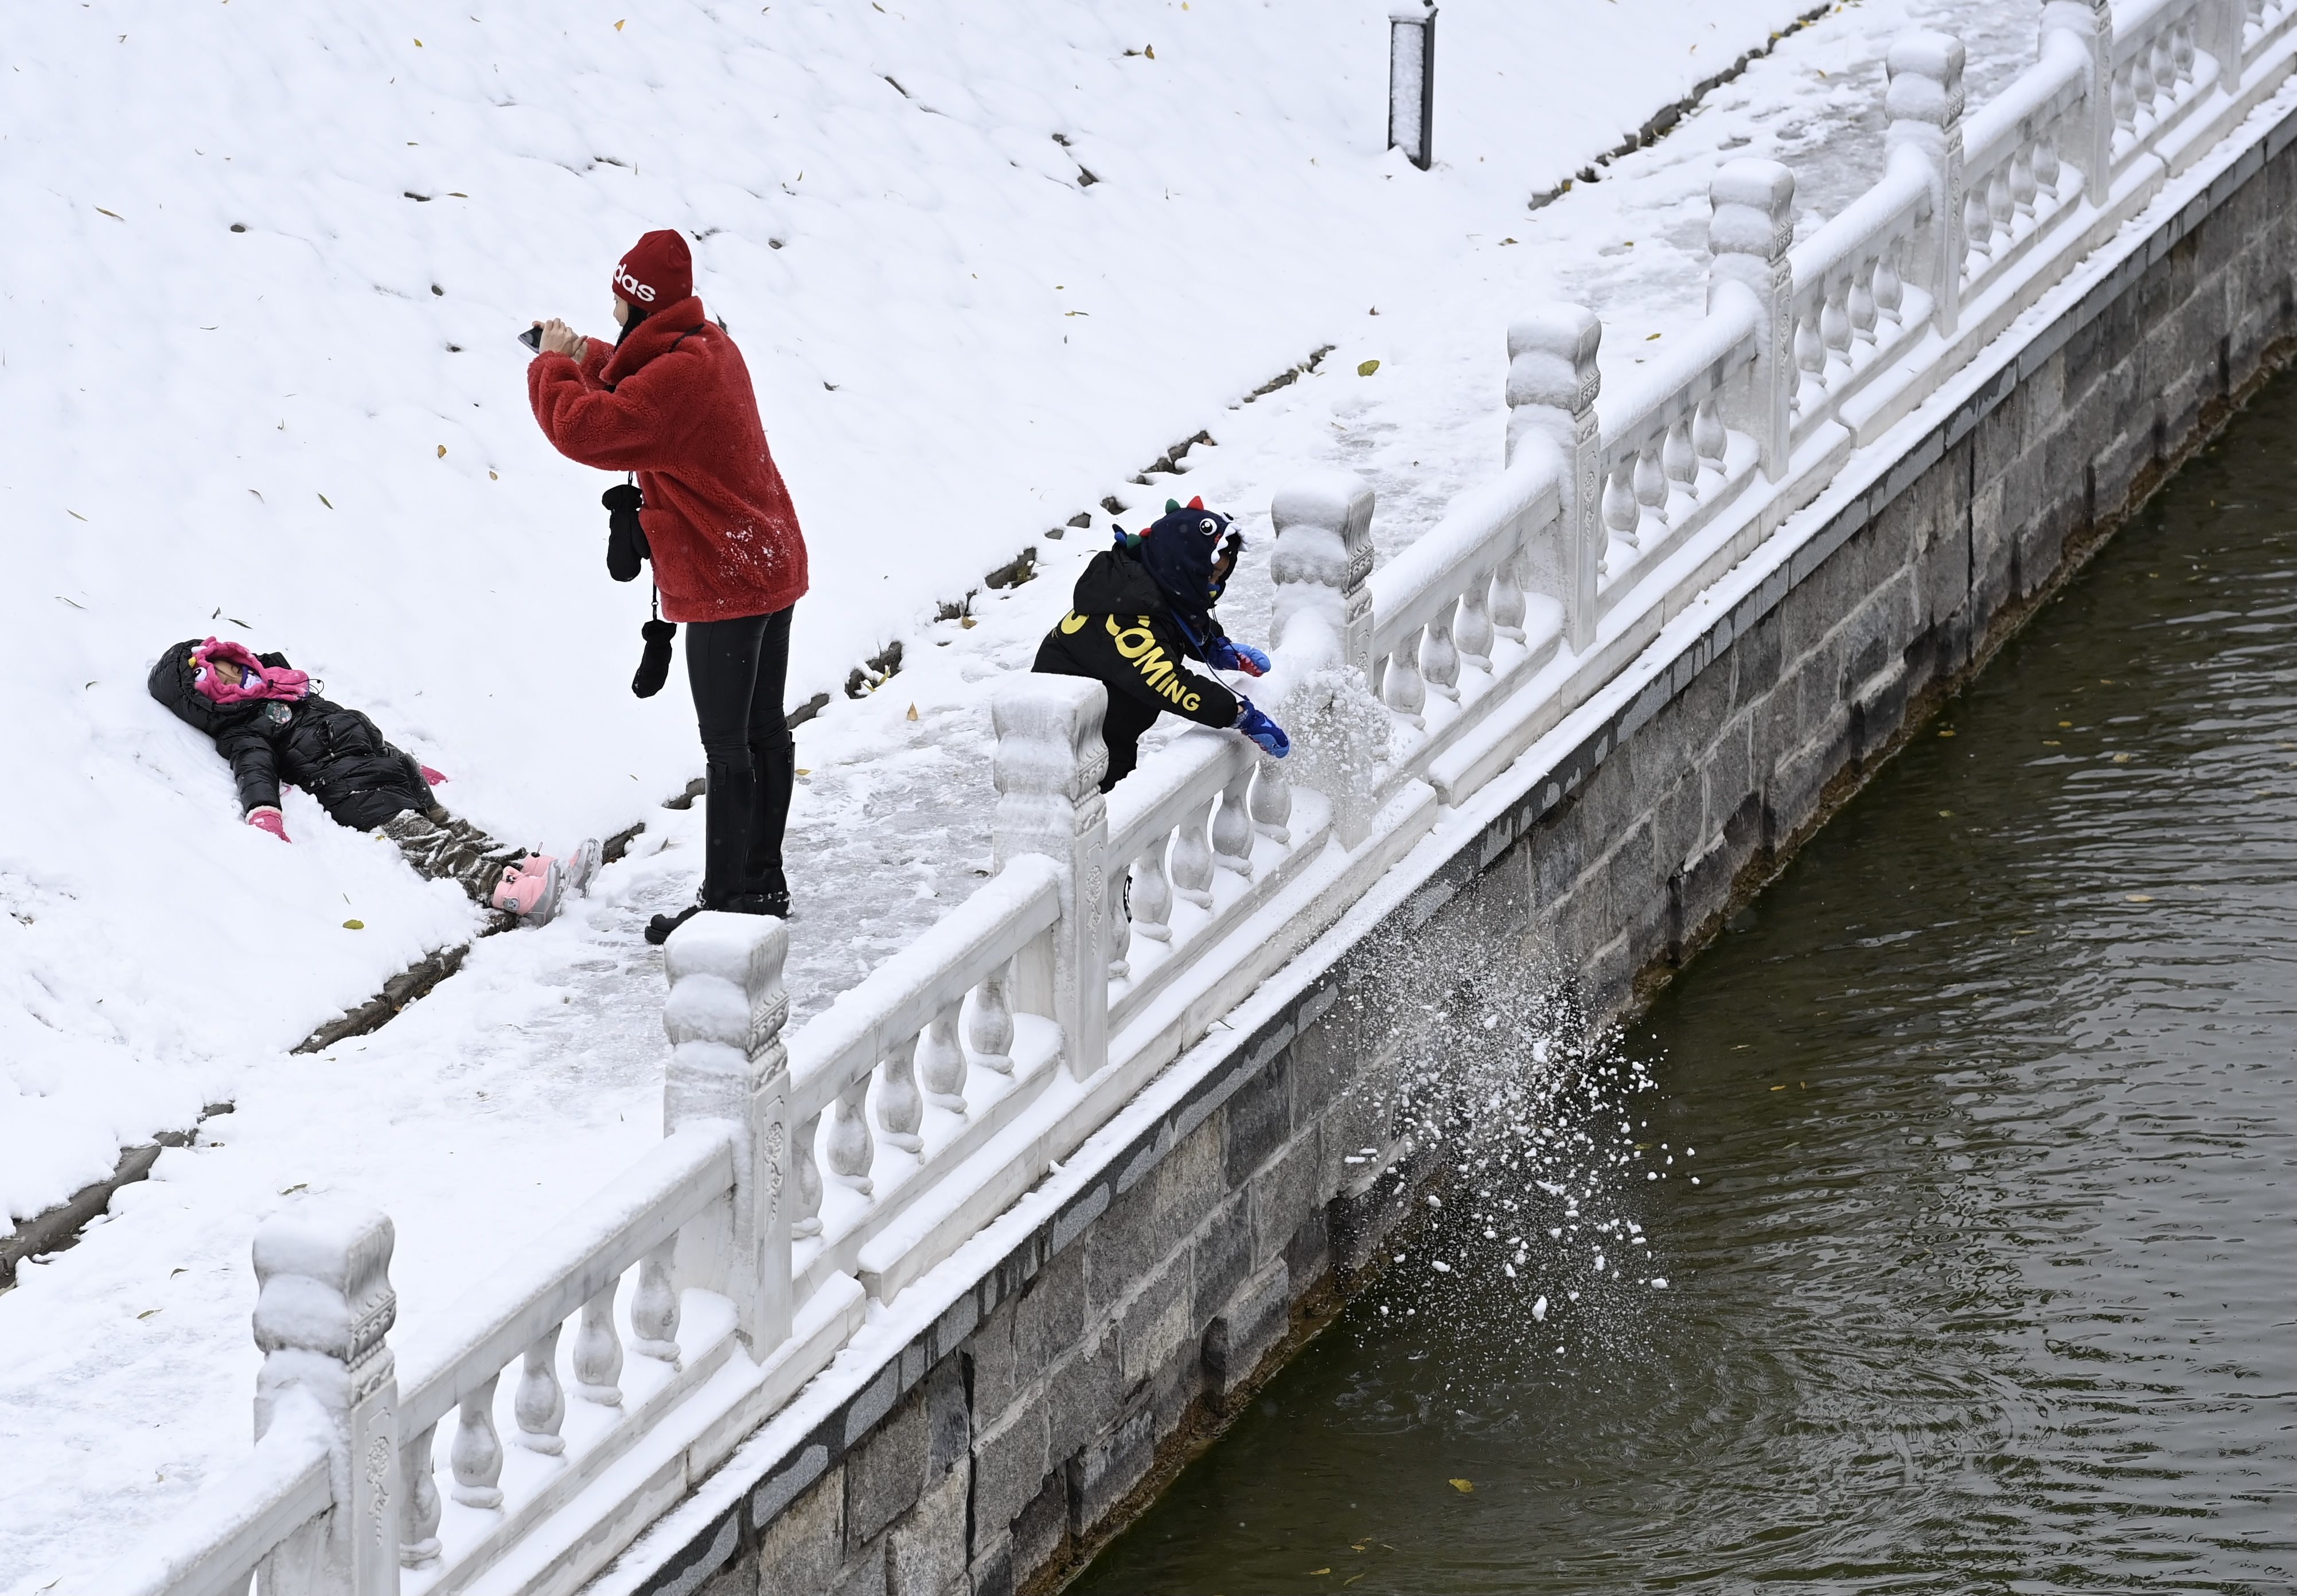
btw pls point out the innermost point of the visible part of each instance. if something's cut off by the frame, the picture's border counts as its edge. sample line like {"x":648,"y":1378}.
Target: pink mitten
{"x":270,"y":819}
{"x":432,"y":776}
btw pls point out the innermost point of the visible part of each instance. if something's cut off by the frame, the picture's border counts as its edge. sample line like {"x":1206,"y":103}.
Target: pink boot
{"x":531,"y":889}
{"x":580,"y":864}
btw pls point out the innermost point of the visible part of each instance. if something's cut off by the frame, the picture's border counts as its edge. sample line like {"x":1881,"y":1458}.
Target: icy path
{"x":493,"y":1105}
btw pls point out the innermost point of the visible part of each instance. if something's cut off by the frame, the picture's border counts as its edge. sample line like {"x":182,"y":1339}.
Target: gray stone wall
{"x":985,"y":1456}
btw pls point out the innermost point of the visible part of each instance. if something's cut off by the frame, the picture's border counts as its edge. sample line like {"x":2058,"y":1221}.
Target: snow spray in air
{"x":1528,"y":1126}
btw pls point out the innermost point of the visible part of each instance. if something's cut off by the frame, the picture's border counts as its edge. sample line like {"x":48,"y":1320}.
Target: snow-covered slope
{"x":262,"y":275}
{"x":155,"y":953}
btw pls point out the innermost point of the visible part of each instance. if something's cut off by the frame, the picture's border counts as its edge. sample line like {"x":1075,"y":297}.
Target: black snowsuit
{"x":342,"y":759}
{"x":335,"y":755}
{"x":1121,"y":631}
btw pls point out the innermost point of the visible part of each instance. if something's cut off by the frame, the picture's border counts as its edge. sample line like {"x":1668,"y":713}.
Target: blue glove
{"x":1227,"y":656}
{"x":1262,"y":730}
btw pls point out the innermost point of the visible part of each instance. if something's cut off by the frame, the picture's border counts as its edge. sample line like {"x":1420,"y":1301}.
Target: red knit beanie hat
{"x":658,"y":271}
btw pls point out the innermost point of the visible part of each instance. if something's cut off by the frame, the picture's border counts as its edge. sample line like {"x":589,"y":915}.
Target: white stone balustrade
{"x":790,"y":1182}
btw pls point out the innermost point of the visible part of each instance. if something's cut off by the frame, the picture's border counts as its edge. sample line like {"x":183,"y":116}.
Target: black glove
{"x":625,"y":542}
{"x":653,"y":666}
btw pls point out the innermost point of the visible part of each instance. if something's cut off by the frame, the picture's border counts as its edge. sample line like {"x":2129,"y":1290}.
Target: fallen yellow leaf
{"x":1465,"y":1487}
{"x":114,"y":215}
{"x":2121,"y":759}
{"x":913,"y":712}
{"x":355,"y":925}
{"x":443,"y":451}
{"x":147,"y":1312}
{"x":2139,"y":898}
{"x":1367,"y":368}
{"x":1778,"y":1089}
{"x":1313,"y":1572}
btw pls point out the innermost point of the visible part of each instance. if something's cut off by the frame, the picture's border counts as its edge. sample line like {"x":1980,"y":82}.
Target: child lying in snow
{"x":268,"y":723}
{"x":1143,"y":609}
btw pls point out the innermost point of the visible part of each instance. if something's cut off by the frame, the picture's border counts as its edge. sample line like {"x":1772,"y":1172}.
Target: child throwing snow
{"x":268,"y":723}
{"x":1141,"y":611}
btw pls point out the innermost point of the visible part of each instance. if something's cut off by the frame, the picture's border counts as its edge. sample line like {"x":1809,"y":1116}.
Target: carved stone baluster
{"x":2166,"y":76}
{"x":1834,"y":325}
{"x":1440,"y":659}
{"x":477,"y":1454}
{"x":941,"y":1063}
{"x":806,"y":1214}
{"x":1709,"y":441}
{"x":900,"y":1107}
{"x":1508,"y":604}
{"x":1681,"y":463}
{"x":2183,"y":49}
{"x":1401,"y":690}
{"x":1862,"y":302}
{"x":1193,"y":861}
{"x":2125,"y":101}
{"x":1889,"y":292}
{"x":991,"y":1028}
{"x":419,"y":1509}
{"x":2045,"y":166}
{"x":1271,"y":803}
{"x":1650,"y":496}
{"x":540,"y":1404}
{"x":1471,"y":633}
{"x":851,"y":1148}
{"x":1152,"y":897}
{"x":2001,"y":212}
{"x":1810,"y":361}
{"x":1119,"y":930}
{"x":1977,"y":230}
{"x":1232,"y":826}
{"x":2022,"y":186}
{"x":655,"y":1309}
{"x":1620,"y":513}
{"x":598,"y":1353}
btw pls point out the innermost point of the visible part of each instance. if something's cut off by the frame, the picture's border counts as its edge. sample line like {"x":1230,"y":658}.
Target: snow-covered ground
{"x":957,"y":345}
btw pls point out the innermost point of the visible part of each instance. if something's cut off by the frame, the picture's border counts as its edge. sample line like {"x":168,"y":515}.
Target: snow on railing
{"x":793,"y":1187}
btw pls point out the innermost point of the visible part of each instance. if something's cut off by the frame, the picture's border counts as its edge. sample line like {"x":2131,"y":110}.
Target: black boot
{"x":658,"y":929}
{"x":774,"y":903}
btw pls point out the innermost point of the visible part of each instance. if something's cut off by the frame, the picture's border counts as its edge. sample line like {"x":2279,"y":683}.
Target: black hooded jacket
{"x":335,"y":753}
{"x":1122,"y":633}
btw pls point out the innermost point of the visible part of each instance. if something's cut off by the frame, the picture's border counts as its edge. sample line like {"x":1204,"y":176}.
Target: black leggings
{"x":736,"y":670}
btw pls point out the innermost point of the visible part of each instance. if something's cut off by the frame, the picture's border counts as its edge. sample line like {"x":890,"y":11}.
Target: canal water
{"x":1987,"y":1278}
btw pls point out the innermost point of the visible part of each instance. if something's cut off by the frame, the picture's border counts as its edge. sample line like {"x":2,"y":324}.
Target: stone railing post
{"x":1322,"y":563}
{"x":323,"y":1307}
{"x":2090,"y":24}
{"x":1048,"y":766}
{"x":1551,"y":385}
{"x":727,"y":1064}
{"x":1924,"y":102}
{"x":2222,"y":39}
{"x":1749,"y":229}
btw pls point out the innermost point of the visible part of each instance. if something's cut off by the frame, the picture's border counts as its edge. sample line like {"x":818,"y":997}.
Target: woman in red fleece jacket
{"x":671,"y":400}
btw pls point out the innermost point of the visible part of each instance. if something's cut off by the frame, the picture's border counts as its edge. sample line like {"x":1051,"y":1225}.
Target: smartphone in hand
{"x":532,"y":338}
